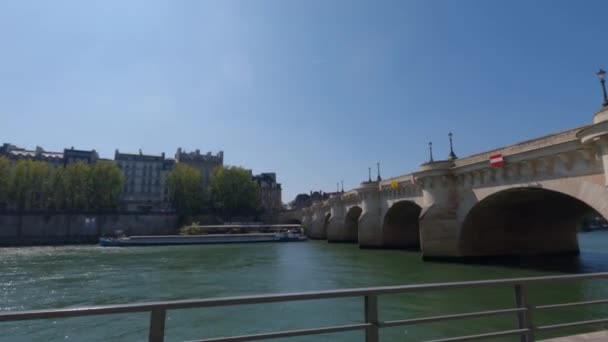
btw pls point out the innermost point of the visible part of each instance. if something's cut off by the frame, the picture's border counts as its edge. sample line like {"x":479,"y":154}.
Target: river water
{"x":58,"y":277}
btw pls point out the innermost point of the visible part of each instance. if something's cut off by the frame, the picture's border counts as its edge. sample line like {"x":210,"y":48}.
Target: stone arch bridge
{"x":465,"y":207}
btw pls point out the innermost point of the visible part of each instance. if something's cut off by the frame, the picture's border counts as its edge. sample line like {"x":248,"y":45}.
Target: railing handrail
{"x":282,"y":297}
{"x":158,"y":309}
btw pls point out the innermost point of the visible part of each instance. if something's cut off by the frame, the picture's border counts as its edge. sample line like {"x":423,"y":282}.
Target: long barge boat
{"x":168,"y":240}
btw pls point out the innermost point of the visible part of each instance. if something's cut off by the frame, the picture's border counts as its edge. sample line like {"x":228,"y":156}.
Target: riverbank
{"x":66,"y":229}
{"x":54,"y":229}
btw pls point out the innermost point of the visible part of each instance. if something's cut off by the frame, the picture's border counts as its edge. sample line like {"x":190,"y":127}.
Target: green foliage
{"x":39,"y":186}
{"x":76,"y":180}
{"x":36,"y":185}
{"x":28,"y":185}
{"x":105,"y":183}
{"x":186,"y":191}
{"x":192,"y":229}
{"x":5,"y":174}
{"x":233,"y":191}
{"x":58,"y":198}
{"x":20,"y":184}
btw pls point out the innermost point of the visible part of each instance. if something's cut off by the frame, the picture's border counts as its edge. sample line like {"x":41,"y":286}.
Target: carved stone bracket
{"x":566,"y":160}
{"x":527,"y":168}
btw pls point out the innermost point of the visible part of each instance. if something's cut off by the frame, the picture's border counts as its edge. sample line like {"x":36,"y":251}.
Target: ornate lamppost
{"x":431,"y":152}
{"x":452,"y":155}
{"x":602,"y":75}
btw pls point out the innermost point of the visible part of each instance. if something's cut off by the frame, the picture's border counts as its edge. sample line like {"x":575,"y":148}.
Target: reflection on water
{"x":585,"y":262}
{"x":50,"y":277}
{"x":593,"y":257}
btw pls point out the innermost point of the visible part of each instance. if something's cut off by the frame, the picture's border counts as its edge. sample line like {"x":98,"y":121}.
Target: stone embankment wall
{"x":58,"y":229}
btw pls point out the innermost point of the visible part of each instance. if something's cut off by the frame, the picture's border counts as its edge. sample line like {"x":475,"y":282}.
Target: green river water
{"x":59,"y":277}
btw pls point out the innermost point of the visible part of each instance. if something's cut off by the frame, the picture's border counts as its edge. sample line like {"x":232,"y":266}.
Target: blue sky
{"x":314,"y":90}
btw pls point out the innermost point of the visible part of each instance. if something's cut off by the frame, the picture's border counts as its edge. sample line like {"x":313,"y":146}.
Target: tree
{"x":29,"y":185}
{"x":234,"y":192}
{"x":5,"y":174}
{"x":36,"y":185}
{"x":105,"y":183}
{"x":39,"y":183}
{"x":20,"y":185}
{"x":185,"y":190}
{"x":76,"y":177}
{"x":57,"y":199}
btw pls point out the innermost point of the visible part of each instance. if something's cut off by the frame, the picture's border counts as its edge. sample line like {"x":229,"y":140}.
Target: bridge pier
{"x":370,"y":221}
{"x":439,"y":233}
{"x":320,"y":219}
{"x":307,"y":220}
{"x":439,"y":224}
{"x":335,"y":227}
{"x":316,"y":229}
{"x":369,"y":230}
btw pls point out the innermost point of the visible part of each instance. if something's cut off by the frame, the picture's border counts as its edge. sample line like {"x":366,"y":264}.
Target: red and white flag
{"x":496,"y":160}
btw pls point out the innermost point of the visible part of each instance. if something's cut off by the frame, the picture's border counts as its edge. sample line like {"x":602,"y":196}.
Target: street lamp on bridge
{"x":602,"y":75}
{"x":452,"y":155}
{"x":431,"y":152}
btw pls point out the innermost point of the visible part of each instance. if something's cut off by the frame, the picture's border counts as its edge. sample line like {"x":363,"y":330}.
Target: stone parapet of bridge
{"x":533,"y":204}
{"x":550,"y":140}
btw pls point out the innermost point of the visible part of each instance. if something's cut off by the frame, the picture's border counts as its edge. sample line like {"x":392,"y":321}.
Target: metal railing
{"x":371,"y":323}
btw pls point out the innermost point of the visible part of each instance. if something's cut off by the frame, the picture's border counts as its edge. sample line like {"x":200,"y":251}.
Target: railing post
{"x":157,"y":326}
{"x":371,"y":316}
{"x":524,"y":318}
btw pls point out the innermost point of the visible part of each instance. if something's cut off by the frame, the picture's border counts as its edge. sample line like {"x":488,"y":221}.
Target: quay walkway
{"x":522,"y":310}
{"x":245,"y":228}
{"x":599,"y":336}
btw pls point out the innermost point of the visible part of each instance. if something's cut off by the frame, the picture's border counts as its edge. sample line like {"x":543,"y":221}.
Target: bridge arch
{"x":529,"y":220}
{"x":351,"y":224}
{"x":400,"y":226}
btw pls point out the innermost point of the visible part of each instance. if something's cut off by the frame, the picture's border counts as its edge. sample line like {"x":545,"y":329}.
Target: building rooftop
{"x":196,"y":155}
{"x":18,"y":152}
{"x":138,"y":156}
